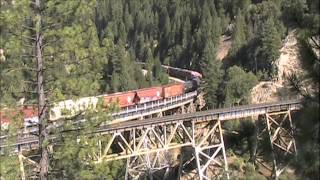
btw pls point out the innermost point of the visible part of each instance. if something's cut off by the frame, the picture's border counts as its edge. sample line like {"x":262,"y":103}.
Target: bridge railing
{"x":221,"y":114}
{"x":150,"y":106}
{"x":128,"y":111}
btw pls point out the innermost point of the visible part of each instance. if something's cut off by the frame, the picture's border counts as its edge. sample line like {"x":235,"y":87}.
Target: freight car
{"x":192,"y":78}
{"x":29,"y":114}
{"x":69,"y":108}
{"x":180,"y":73}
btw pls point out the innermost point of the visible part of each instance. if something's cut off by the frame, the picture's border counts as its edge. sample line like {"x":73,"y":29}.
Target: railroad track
{"x":222,"y":114}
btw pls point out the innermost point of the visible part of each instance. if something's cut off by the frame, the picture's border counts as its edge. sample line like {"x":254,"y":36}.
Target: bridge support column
{"x":23,"y":175}
{"x":160,"y":114}
{"x":191,"y":108}
{"x":149,"y":165}
{"x":208,"y":149}
{"x":280,"y":130}
{"x":275,"y":138}
{"x":28,"y":167}
{"x":261,"y":148}
{"x":147,"y":160}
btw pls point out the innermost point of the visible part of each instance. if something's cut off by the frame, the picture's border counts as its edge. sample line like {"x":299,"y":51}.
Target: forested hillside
{"x":90,"y":47}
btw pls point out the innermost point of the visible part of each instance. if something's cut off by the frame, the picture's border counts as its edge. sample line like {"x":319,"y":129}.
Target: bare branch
{"x":316,"y":42}
{"x":29,"y":28}
{"x":52,"y":26}
{"x":27,"y":45}
{"x":28,"y":55}
{"x":17,"y":69}
{"x":30,"y":82}
{"x":22,"y":36}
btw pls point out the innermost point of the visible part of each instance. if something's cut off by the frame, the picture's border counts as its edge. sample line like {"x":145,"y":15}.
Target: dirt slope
{"x":289,"y":62}
{"x":224,"y":47}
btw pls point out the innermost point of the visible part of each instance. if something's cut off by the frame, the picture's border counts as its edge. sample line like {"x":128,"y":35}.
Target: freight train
{"x":69,"y":108}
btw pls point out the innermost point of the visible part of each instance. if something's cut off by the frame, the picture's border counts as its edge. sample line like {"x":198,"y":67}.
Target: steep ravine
{"x":289,"y":62}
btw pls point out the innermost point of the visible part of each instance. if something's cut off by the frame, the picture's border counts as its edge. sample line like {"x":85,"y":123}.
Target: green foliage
{"x":250,"y":169}
{"x":307,"y":120}
{"x":158,"y":74}
{"x":238,"y":86}
{"x":9,"y":167}
{"x":212,"y":76}
{"x":270,"y":46}
{"x":294,"y":10}
{"x":257,"y":34}
{"x":77,"y":153}
{"x":238,"y":163}
{"x":77,"y":58}
{"x":239,"y":35}
{"x":14,"y":68}
{"x":9,"y":163}
{"x":74,"y":59}
{"x":122,"y":73}
{"x":91,"y":47}
{"x":256,"y":176}
{"x":308,"y":160}
{"x":287,"y":176}
{"x":174,"y":31}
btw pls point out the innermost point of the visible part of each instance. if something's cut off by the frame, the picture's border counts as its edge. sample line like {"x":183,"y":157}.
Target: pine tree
{"x":121,"y":71}
{"x":16,"y":49}
{"x":127,"y":18}
{"x":76,"y":156}
{"x":238,"y":86}
{"x":270,"y":46}
{"x":158,"y":73}
{"x":239,"y":35}
{"x":186,"y":30}
{"x":69,"y":57}
{"x":212,"y":72}
{"x":149,"y":66}
{"x":294,"y":10}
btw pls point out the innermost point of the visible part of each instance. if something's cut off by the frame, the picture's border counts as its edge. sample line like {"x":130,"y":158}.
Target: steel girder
{"x":278,"y":127}
{"x":147,"y":149}
{"x":282,"y":141}
{"x":209,"y":151}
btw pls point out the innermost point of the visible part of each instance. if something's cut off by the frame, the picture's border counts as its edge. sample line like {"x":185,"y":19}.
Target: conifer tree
{"x":186,"y":30}
{"x":238,"y":86}
{"x":16,"y":47}
{"x":76,"y":155}
{"x":149,"y":66}
{"x":239,"y":35}
{"x":212,"y":75}
{"x":270,"y":46}
{"x":68,"y":56}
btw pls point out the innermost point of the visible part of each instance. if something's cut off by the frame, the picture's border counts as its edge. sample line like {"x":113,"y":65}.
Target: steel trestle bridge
{"x":145,"y":143}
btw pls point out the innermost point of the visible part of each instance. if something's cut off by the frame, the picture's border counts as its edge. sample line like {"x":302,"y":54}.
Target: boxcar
{"x":148,"y":94}
{"x":123,"y":99}
{"x":173,"y":90}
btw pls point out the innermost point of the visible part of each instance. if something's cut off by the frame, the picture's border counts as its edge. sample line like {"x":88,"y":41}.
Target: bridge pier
{"x":282,"y":141}
{"x":147,"y":149}
{"x":29,"y":169}
{"x":146,"y":143}
{"x":208,"y":149}
{"x":147,"y":160}
{"x":278,"y":129}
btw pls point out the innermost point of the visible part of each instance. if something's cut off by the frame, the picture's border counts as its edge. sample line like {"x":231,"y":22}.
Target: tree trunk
{"x":42,"y":110}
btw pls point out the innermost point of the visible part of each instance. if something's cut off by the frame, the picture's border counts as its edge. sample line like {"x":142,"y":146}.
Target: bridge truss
{"x":147,"y":144}
{"x":146,"y":149}
{"x":278,"y":127}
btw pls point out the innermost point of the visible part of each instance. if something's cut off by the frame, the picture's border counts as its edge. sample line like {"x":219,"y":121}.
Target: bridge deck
{"x":221,"y":114}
